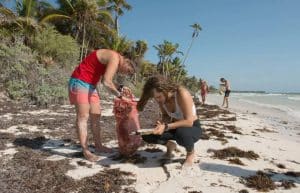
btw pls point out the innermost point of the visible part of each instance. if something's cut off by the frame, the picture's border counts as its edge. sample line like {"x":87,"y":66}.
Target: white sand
{"x":207,"y":174}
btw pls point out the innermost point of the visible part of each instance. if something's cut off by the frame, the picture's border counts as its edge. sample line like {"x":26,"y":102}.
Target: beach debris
{"x":281,"y":166}
{"x":236,"y":161}
{"x":195,"y":191}
{"x":233,"y":129}
{"x":133,"y":159}
{"x":83,"y":163}
{"x":292,"y":174}
{"x":153,"y":150}
{"x":243,"y":191}
{"x":287,"y":184}
{"x":208,"y":112}
{"x":214,"y":132}
{"x":5,"y":138}
{"x":28,"y":171}
{"x":233,"y":152}
{"x":293,"y":161}
{"x":204,"y":136}
{"x":109,"y":180}
{"x":187,"y":187}
{"x":265,"y":130}
{"x":261,"y":182}
{"x":228,"y":119}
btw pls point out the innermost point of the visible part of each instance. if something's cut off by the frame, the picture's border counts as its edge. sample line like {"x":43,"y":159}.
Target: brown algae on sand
{"x":233,"y":152}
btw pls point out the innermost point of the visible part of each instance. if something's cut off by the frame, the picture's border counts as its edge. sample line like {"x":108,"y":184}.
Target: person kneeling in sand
{"x":175,"y":103}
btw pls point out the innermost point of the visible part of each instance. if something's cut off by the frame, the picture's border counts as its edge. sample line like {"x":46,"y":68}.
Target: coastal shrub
{"x":48,"y":85}
{"x":16,"y":60}
{"x":191,"y":83}
{"x":24,"y":77}
{"x":16,"y":89}
{"x":137,"y":89}
{"x":55,"y":48}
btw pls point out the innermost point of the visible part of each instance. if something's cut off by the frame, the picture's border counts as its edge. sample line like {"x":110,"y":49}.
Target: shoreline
{"x":286,"y":123}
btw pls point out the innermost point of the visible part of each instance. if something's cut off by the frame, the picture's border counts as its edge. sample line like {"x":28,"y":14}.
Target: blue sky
{"x":254,"y":44}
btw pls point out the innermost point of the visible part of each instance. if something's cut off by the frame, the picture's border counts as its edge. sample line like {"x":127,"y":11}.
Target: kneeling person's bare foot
{"x":90,"y":156}
{"x":189,"y":161}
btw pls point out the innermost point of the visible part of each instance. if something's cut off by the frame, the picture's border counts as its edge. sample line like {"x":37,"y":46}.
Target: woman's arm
{"x":111,"y":59}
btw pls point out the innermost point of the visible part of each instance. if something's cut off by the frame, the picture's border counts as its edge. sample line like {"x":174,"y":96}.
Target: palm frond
{"x":54,"y":17}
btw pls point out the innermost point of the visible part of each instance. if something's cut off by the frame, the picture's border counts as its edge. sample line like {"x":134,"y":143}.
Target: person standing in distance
{"x":226,"y":84}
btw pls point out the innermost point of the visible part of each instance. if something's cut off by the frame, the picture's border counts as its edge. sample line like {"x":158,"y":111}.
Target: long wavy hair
{"x":158,"y":82}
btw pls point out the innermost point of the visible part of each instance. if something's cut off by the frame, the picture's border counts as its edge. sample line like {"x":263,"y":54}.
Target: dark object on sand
{"x":281,"y":166}
{"x":243,"y":191}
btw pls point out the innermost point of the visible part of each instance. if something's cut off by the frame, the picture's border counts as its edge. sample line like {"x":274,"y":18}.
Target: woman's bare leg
{"x":189,"y":158}
{"x":171,"y":146}
{"x":82,"y":112}
{"x":96,"y":129}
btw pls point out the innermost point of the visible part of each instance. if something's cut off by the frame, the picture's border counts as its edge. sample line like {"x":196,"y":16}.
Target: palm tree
{"x":166,"y":52}
{"x":24,"y":19}
{"x":116,"y":7}
{"x":140,"y":48}
{"x":197,"y":28}
{"x":82,"y":17}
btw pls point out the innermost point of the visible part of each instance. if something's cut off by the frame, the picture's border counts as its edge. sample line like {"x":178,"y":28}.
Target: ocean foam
{"x":295,"y":98}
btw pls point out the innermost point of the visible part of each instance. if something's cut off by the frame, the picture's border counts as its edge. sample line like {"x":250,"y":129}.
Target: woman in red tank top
{"x":101,"y":64}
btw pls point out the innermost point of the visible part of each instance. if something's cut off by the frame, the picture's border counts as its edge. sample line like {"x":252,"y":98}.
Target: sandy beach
{"x":243,"y":149}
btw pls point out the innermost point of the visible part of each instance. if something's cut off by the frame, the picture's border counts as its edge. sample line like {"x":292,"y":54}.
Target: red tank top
{"x":89,"y":70}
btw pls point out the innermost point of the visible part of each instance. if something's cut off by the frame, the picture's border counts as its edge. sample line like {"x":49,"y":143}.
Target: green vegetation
{"x":41,"y":44}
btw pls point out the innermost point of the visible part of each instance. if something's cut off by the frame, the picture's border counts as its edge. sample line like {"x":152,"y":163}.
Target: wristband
{"x":166,"y":127}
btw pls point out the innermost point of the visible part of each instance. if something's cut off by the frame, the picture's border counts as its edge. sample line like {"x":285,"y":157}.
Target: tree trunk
{"x":117,"y":24}
{"x":83,"y":40}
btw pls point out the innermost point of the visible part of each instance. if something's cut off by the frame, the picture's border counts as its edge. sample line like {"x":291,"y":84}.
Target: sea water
{"x":288,"y":103}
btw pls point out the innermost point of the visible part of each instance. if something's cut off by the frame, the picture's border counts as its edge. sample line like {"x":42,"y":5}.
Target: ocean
{"x":289,"y":103}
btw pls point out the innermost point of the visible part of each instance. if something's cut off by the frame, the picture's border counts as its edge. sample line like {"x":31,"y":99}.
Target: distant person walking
{"x":203,"y":90}
{"x":101,"y":64}
{"x":226,"y":84}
